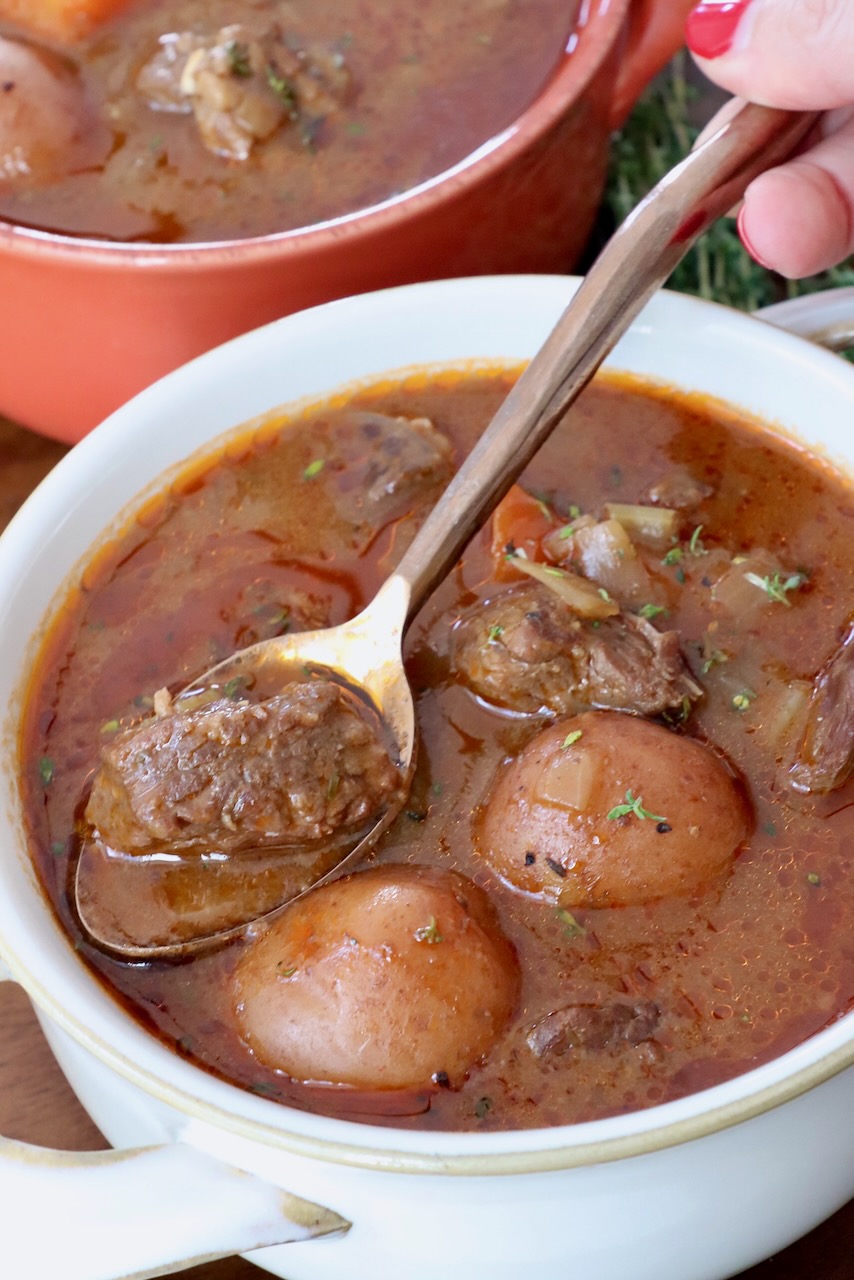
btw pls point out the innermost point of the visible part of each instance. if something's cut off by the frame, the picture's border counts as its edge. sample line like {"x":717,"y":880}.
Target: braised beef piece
{"x":234,"y":775}
{"x":596,"y":1027}
{"x":679,"y":489}
{"x":242,"y":86}
{"x":383,"y":467}
{"x":826,"y":757}
{"x":526,"y":650}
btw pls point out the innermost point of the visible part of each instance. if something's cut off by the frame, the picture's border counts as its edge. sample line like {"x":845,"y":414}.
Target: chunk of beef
{"x":384,"y":467}
{"x":526,"y":650}
{"x":241,"y":87}
{"x":159,"y":79}
{"x":679,"y":489}
{"x":594,"y":1027}
{"x":826,"y":757}
{"x":234,"y":775}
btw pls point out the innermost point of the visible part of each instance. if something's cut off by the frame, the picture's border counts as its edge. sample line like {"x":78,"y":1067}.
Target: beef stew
{"x":601,"y":999}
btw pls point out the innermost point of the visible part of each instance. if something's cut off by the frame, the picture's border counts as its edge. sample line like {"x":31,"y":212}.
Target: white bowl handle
{"x":102,"y":1215}
{"x":826,"y":318}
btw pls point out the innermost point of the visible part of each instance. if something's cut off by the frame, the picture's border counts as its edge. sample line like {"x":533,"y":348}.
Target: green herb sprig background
{"x":658,"y":134}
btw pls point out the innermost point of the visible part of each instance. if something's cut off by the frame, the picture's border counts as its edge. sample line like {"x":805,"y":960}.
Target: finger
{"x":798,"y":219}
{"x":797,"y":54}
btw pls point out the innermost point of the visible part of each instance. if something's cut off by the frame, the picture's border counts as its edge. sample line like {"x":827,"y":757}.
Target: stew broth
{"x":244,"y":541}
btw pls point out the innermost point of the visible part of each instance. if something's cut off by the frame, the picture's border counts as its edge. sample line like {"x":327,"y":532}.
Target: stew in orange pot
{"x":204,"y":120}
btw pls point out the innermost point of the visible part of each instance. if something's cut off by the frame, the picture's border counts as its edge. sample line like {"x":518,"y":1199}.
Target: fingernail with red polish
{"x":710,"y":28}
{"x":745,"y":240}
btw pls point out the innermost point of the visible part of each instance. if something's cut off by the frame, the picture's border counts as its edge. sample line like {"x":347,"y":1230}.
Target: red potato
{"x":607,"y":809}
{"x":380,"y":980}
{"x":46,"y":128}
{"x":63,"y":20}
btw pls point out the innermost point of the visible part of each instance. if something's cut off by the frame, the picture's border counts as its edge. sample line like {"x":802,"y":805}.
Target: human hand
{"x":797,"y":219}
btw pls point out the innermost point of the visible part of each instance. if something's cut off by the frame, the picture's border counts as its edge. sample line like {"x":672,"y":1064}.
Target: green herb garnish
{"x":695,"y":546}
{"x":314,"y":469}
{"x":651,"y":610}
{"x":634,"y":806}
{"x":283,"y":89}
{"x":493,"y":634}
{"x":571,"y":926}
{"x":237,"y":53}
{"x":571,"y":738}
{"x":429,"y":932}
{"x":47,"y":770}
{"x":713,"y":659}
{"x":776,"y":587}
{"x":741,"y":701}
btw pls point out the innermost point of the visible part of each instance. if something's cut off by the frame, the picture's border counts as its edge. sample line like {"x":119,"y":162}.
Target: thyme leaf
{"x":777,"y":587}
{"x":237,"y":53}
{"x":634,"y":806}
{"x":429,"y":932}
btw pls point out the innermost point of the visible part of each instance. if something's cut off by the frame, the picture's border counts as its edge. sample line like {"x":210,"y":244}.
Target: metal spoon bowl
{"x":367,"y":651}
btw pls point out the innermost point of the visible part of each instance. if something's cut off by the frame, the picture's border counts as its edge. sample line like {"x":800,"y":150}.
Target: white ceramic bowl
{"x":693,"y":1190}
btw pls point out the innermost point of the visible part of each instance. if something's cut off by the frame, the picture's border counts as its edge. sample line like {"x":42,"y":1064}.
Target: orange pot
{"x":85,"y":324}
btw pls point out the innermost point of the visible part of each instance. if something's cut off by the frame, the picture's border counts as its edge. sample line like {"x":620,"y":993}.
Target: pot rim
{"x":598,"y":25}
{"x":190,"y":1090}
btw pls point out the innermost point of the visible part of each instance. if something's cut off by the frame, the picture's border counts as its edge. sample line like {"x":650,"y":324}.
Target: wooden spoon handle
{"x":636,"y":261}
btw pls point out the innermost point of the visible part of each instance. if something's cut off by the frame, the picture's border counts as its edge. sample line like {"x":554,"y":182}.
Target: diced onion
{"x":655,"y":525}
{"x":606,"y":554}
{"x":785,"y":711}
{"x":584,"y":598}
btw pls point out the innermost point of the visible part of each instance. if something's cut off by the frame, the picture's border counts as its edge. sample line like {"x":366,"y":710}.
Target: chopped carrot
{"x":61,"y":20}
{"x":519,"y":521}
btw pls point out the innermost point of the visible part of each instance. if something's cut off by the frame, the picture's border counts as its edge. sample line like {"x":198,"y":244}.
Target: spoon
{"x":367,"y":651}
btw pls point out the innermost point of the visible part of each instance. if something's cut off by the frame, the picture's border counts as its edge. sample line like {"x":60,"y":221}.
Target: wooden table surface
{"x":36,"y":1105}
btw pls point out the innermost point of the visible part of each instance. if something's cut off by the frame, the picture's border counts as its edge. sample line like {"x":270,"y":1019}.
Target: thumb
{"x":797,"y":54}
